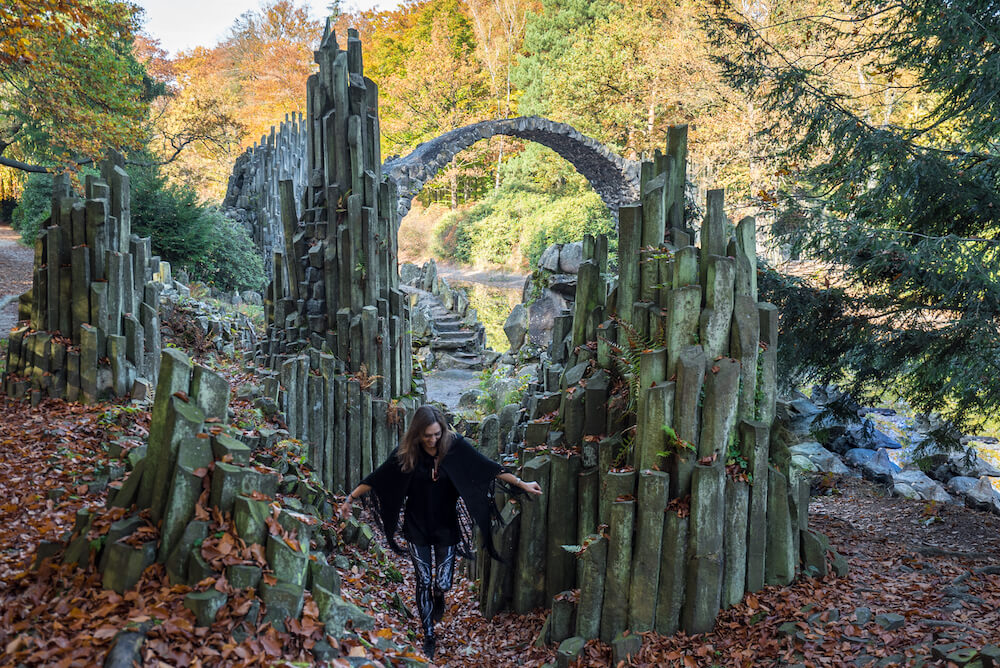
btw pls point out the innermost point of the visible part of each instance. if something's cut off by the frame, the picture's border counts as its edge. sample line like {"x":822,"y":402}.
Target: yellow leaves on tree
{"x":69,"y":86}
{"x":245,"y":84}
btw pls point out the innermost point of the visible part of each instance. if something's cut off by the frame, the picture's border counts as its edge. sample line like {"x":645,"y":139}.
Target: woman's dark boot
{"x":430,"y":644}
{"x":438,"y":611}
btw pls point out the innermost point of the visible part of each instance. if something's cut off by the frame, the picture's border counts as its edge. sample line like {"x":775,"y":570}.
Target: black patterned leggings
{"x":433,"y":579}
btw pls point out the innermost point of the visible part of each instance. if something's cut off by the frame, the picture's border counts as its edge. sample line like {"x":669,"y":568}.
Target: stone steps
{"x":446,"y":325}
{"x":459,"y":359}
{"x":454,"y":341}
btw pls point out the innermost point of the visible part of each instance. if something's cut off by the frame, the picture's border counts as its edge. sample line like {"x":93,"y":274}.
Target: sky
{"x":183,"y":24}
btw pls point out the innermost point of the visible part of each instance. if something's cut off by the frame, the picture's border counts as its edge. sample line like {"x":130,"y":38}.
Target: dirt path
{"x":15,"y":275}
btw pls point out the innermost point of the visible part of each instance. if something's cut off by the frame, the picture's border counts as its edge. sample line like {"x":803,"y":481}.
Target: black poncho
{"x":473,"y":476}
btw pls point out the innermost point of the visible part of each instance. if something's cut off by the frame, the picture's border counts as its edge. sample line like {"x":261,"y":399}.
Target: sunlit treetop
{"x":70,"y":86}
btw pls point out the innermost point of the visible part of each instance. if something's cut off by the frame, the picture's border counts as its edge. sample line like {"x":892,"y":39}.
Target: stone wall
{"x":93,"y":306}
{"x":252,"y":196}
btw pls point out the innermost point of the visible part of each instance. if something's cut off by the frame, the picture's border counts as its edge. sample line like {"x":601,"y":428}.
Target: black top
{"x":430,"y":516}
{"x":430,"y":509}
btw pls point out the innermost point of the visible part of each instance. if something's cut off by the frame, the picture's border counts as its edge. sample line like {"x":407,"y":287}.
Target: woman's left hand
{"x":531,"y":487}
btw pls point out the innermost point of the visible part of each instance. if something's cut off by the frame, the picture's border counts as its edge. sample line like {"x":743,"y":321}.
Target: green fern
{"x":626,"y":359}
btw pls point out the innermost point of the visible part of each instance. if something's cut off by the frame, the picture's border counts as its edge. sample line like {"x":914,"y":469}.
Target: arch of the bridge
{"x":614,"y":178}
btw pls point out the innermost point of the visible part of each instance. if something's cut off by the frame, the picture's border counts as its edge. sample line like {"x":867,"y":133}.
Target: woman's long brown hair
{"x":410,"y":446}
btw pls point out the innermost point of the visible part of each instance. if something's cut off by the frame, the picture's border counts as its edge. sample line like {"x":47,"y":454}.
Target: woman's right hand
{"x":531,"y":487}
{"x":345,"y":509}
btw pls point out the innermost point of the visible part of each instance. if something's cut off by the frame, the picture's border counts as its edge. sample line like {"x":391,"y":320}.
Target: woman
{"x":425,"y":477}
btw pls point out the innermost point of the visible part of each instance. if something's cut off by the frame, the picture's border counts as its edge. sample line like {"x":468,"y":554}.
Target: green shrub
{"x":33,"y":207}
{"x":514,"y":225}
{"x":542,"y":200}
{"x":193,"y":236}
{"x":232,"y":262}
{"x":184,"y":232}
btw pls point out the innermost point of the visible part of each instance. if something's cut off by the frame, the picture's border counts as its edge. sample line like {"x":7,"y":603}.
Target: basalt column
{"x":664,"y":380}
{"x":338,"y":344}
{"x":92,"y":312}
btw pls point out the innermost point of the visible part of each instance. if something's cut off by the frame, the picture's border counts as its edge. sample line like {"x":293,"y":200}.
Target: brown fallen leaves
{"x":60,"y":615}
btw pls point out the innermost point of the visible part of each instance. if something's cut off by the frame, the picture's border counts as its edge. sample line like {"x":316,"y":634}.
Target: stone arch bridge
{"x":614,"y":178}
{"x":252,"y":194}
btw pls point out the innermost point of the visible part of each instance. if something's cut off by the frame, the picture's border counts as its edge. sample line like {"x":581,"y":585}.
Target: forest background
{"x":861,"y":134}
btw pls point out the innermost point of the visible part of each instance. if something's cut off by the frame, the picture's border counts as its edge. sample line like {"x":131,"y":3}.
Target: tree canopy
{"x":883,"y":118}
{"x":69,"y":85}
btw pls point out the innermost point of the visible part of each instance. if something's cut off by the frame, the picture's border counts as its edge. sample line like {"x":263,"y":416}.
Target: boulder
{"x":563,"y":284}
{"x":506,"y":391}
{"x":470,"y":398}
{"x":542,"y":314}
{"x":516,"y":327}
{"x":252,"y":297}
{"x":410,"y":274}
{"x":796,"y":419}
{"x":821,"y":459}
{"x":430,"y":275}
{"x":420,"y":323}
{"x":916,"y":484}
{"x":549,"y":260}
{"x":339,"y":615}
{"x":968,"y":464}
{"x":874,"y":466}
{"x":982,"y":496}
{"x":960,"y":485}
{"x":570,"y":257}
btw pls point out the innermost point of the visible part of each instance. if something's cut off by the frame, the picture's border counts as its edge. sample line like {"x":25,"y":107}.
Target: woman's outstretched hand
{"x":344,"y":510}
{"x":531,"y":487}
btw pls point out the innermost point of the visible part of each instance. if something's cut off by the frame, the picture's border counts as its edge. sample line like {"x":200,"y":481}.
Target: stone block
{"x":288,"y":563}
{"x":224,"y":446}
{"x":814,"y":548}
{"x":126,"y":564}
{"x":243,"y":576}
{"x":120,"y":529}
{"x":227,"y":484}
{"x":199,"y":569}
{"x":569,"y":651}
{"x":322,"y":574}
{"x":205,"y":605}
{"x":210,"y":392}
{"x":250,"y":519}
{"x":177,"y":560}
{"x":282,"y":601}
{"x":625,"y":647}
{"x":175,"y":372}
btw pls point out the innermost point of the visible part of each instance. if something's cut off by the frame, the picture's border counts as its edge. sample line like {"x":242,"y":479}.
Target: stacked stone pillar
{"x":679,"y":509}
{"x":338,"y":342}
{"x":93,"y":316}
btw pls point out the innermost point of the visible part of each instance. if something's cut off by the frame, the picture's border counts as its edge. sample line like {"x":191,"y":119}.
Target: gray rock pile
{"x":205,"y":325}
{"x":821,"y":444}
{"x":650,"y":413}
{"x":242,"y":520}
{"x":337,"y":345}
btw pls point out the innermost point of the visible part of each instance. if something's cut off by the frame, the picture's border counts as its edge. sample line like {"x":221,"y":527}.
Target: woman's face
{"x":429,"y":439}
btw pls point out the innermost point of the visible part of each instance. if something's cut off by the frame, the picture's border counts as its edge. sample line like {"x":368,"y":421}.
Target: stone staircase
{"x":453,"y":336}
{"x":462,"y":345}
